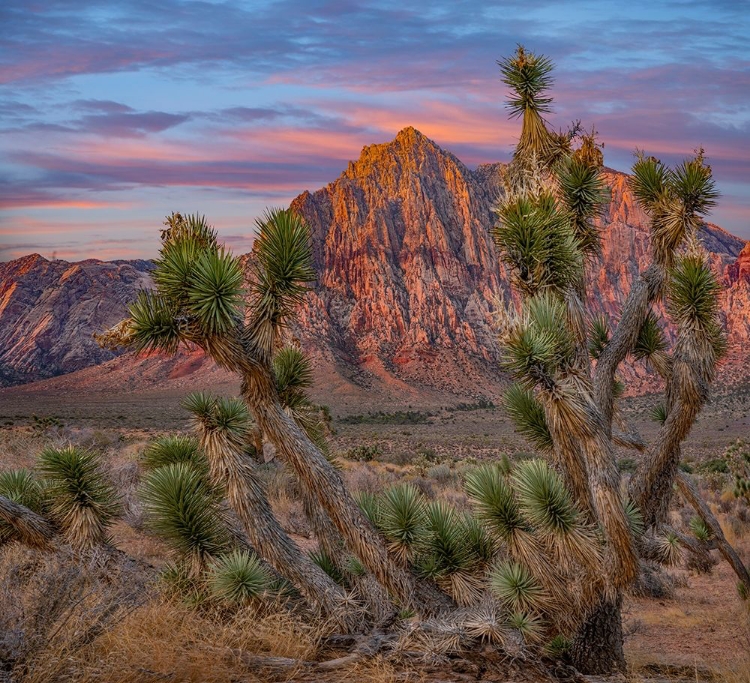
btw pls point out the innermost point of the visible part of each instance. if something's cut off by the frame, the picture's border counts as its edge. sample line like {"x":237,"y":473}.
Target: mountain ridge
{"x":408,"y":280}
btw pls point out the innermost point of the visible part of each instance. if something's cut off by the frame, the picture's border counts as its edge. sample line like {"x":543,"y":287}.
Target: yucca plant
{"x":514,"y":585}
{"x":239,"y":578}
{"x":222,"y":425}
{"x":201,"y":300}
{"x":80,"y":499}
{"x":447,"y":555}
{"x":23,"y":488}
{"x":562,"y":402}
{"x":172,"y":449}
{"x":700,"y":529}
{"x":182,"y":509}
{"x":402,"y":519}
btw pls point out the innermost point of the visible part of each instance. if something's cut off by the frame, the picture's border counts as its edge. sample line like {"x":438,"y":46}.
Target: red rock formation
{"x":408,"y":279}
{"x":50,"y":309}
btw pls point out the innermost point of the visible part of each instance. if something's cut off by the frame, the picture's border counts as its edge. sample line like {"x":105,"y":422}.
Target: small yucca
{"x":168,"y":450}
{"x":22,"y":487}
{"x":183,"y":510}
{"x":700,"y":529}
{"x":80,"y":499}
{"x":239,"y":578}
{"x":402,"y":519}
{"x":515,"y":586}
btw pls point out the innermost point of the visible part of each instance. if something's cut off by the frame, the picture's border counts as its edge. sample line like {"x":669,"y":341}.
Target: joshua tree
{"x":199,"y":300}
{"x":564,"y":401}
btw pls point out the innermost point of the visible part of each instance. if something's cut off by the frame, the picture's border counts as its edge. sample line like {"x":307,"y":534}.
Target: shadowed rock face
{"x":408,"y":279}
{"x":49,"y":311}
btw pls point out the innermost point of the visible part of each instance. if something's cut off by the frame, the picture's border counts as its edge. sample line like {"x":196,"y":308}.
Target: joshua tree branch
{"x":642,"y":294}
{"x":689,"y":490}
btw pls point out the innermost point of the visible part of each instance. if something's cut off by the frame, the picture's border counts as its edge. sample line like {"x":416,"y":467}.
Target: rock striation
{"x":49,"y":311}
{"x":408,"y":280}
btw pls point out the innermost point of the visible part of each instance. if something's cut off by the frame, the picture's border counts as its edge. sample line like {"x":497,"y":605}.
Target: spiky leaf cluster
{"x":80,"y":499}
{"x":583,"y":193}
{"x":239,"y":578}
{"x":599,"y":335}
{"x":528,"y":416}
{"x":676,"y":199}
{"x":171,"y":449}
{"x":535,"y":237}
{"x":199,"y":288}
{"x":540,"y":345}
{"x":514,"y":585}
{"x":22,"y":487}
{"x":181,"y":508}
{"x":282,"y":269}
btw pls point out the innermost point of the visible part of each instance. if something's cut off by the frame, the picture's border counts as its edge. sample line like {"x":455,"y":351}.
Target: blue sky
{"x":113,"y":114}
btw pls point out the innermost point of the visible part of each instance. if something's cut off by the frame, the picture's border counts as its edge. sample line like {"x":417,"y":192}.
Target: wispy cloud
{"x":234,"y":103}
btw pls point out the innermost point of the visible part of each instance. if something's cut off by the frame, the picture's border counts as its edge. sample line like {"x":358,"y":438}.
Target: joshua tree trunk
{"x":234,"y":471}
{"x":32,"y":529}
{"x":310,"y":466}
{"x":597,"y":647}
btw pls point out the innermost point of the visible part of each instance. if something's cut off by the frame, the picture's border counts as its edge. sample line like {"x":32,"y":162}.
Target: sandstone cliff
{"x":408,"y":280}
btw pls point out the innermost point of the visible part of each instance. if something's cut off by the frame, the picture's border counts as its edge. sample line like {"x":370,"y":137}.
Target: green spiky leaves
{"x":153,"y":324}
{"x":494,"y":501}
{"x":182,"y":509}
{"x":599,"y":335}
{"x":528,"y":76}
{"x":402,"y":519}
{"x":229,"y":416}
{"x":168,"y":450}
{"x":676,"y":199}
{"x":693,"y":293}
{"x":283,"y":268}
{"x":540,"y":345}
{"x":535,"y":238}
{"x":22,"y":487}
{"x":81,"y":500}
{"x":651,"y":342}
{"x":515,"y":586}
{"x":528,"y":416}
{"x":292,"y":371}
{"x":583,"y":194}
{"x":239,"y":578}
{"x":215,"y":291}
{"x":199,"y":290}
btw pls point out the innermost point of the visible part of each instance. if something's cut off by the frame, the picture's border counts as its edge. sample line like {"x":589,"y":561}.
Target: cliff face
{"x":50,"y":309}
{"x":408,"y":280}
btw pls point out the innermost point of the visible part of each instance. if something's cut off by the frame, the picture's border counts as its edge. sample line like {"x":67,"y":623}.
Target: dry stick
{"x":691,"y":494}
{"x":33,"y":529}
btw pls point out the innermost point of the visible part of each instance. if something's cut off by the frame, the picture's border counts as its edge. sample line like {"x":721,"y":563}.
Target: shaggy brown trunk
{"x":310,"y":466}
{"x":642,"y":294}
{"x":597,"y":647}
{"x":31,"y":528}
{"x":234,"y":471}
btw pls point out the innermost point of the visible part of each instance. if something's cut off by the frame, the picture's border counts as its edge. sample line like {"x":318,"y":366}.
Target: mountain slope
{"x":408,"y":280}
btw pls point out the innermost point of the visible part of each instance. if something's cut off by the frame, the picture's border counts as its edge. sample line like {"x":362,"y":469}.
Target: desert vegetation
{"x":322,"y":565}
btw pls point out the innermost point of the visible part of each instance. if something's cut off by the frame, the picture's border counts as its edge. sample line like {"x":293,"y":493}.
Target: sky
{"x":115,"y":113}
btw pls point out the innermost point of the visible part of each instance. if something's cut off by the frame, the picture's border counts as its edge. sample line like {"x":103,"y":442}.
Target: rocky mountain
{"x":50,"y":309}
{"x":408,"y":281}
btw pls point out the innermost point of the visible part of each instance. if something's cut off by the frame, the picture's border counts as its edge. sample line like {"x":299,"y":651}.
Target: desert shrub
{"x":363,"y":453}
